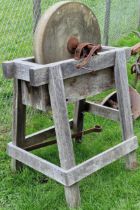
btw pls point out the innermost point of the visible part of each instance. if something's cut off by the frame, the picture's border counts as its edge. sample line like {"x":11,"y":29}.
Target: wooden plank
{"x":19,"y":68}
{"x":37,"y":97}
{"x":19,"y":120}
{"x":99,"y":161}
{"x":38,"y":74}
{"x":89,"y":84}
{"x":78,"y":117}
{"x":77,"y":173}
{"x":63,"y":133}
{"x":41,"y":136}
{"x":40,"y":145}
{"x":76,"y":88}
{"x":22,"y":69}
{"x":48,"y":142}
{"x":124,"y":103}
{"x":37,"y":163}
{"x":102,"y":111}
{"x":8,"y":69}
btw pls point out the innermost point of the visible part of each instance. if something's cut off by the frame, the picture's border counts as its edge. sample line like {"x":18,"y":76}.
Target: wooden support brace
{"x":19,"y":120}
{"x":37,"y":163}
{"x":63,"y":134}
{"x":102,"y":111}
{"x":78,"y":122}
{"x":41,"y":138}
{"x":75,"y":174}
{"x":121,"y":82}
{"x":103,"y":159}
{"x":37,"y":74}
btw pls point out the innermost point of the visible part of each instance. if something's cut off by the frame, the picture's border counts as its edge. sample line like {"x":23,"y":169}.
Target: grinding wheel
{"x":61,"y":22}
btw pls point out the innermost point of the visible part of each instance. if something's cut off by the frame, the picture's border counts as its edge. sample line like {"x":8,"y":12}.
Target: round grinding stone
{"x":60,"y":22}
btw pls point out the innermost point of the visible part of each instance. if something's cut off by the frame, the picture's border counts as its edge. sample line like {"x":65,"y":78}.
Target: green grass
{"x":111,"y":188}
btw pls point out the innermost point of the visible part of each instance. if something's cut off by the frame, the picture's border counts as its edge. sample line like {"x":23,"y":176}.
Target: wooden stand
{"x":51,"y":85}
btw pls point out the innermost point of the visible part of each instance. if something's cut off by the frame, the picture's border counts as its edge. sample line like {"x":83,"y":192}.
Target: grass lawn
{"x":112,"y":188}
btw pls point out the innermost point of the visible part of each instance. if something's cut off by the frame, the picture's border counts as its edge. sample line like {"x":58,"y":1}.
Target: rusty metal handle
{"x":85,"y":51}
{"x":97,"y":129}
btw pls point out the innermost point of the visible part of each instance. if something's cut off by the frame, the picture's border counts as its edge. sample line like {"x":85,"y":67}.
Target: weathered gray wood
{"x":37,"y":97}
{"x":102,"y":111}
{"x":19,"y":68}
{"x":99,"y":161}
{"x":37,"y":163}
{"x":36,"y":12}
{"x":51,"y":141}
{"x":124,"y":103}
{"x":89,"y":84}
{"x":38,"y":74}
{"x":41,"y":136}
{"x":78,"y":118}
{"x":19,"y":120}
{"x":107,"y":22}
{"x":8,"y":69}
{"x":40,"y":145}
{"x":63,"y":134}
{"x":75,"y":174}
{"x":75,"y":89}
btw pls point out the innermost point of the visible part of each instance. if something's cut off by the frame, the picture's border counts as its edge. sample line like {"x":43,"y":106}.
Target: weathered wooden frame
{"x":60,"y":82}
{"x":79,"y":172}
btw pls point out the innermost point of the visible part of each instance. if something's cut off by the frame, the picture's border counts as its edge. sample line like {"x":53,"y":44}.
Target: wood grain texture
{"x":63,"y":133}
{"x":75,"y":174}
{"x":8,"y":69}
{"x":41,"y":136}
{"x":37,"y":163}
{"x":104,"y":59}
{"x":19,"y":120}
{"x":37,"y":97}
{"x":76,"y":88}
{"x":89,"y":84}
{"x":103,"y":159}
{"x":102,"y":111}
{"x":78,"y":117}
{"x":37,"y":74}
{"x":124,"y":103}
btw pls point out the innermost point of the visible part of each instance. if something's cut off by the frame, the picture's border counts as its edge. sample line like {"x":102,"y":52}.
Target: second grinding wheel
{"x":61,"y":24}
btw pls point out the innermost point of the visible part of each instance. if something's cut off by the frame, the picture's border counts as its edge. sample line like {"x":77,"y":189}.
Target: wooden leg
{"x":78,"y":119}
{"x":19,"y":118}
{"x":63,"y":133}
{"x":124,"y":104}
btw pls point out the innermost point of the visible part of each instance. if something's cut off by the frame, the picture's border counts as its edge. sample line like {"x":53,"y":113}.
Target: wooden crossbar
{"x":38,"y":74}
{"x":77,"y":173}
{"x":103,"y":111}
{"x":37,"y":163}
{"x":39,"y":138}
{"x":101,"y":160}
